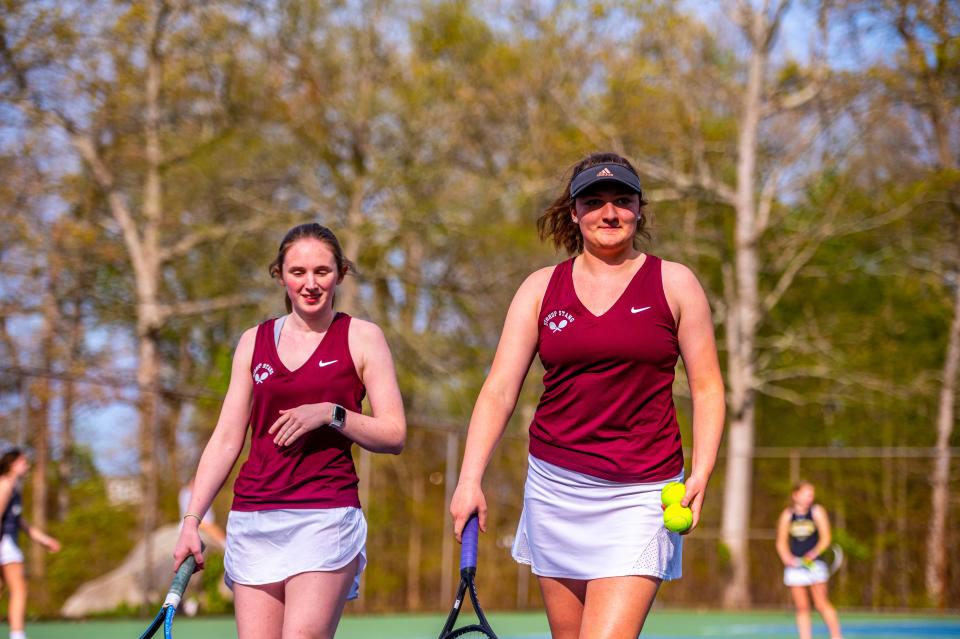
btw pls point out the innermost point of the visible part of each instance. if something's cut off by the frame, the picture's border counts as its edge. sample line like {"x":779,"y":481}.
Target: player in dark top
{"x":803,"y":534}
{"x":13,"y":466}
{"x":295,"y":534}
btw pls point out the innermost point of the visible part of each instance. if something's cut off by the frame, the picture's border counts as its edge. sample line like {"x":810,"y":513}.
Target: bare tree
{"x":926,"y":79}
{"x":150,"y":232}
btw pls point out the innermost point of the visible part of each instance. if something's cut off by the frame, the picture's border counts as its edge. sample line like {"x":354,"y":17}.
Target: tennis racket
{"x":468,"y":570}
{"x":169,"y":609}
{"x":832,"y":556}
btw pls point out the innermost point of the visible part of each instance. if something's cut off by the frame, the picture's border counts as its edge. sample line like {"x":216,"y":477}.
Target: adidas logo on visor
{"x":605,"y":173}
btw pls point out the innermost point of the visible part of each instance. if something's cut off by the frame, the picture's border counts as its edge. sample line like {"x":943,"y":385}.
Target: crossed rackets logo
{"x":563,"y":319}
{"x":262,"y":372}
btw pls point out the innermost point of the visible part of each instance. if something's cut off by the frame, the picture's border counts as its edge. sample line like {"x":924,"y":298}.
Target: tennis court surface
{"x":663,"y":624}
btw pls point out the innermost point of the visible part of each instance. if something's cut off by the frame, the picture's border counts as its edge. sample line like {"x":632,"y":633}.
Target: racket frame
{"x":468,"y":572}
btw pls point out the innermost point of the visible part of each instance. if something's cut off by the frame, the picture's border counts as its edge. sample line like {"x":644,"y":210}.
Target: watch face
{"x":339,"y":413}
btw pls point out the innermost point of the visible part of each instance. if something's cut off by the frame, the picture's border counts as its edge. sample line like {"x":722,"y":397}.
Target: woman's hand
{"x":467,"y":499}
{"x":296,"y":422}
{"x":49,"y":543}
{"x":188,"y":543}
{"x":696,"y":488}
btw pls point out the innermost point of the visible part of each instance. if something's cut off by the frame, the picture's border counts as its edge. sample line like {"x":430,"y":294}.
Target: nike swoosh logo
{"x":322,"y":363}
{"x":638,"y":310}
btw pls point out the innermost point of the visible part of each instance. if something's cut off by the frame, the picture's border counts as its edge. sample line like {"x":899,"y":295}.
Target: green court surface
{"x":662,"y":624}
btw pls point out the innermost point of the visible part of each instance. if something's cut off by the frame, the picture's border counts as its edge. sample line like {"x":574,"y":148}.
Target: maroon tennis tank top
{"x":317,"y":470}
{"x":607,"y":405}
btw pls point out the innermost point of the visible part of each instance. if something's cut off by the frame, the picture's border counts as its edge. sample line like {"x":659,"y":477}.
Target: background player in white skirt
{"x":13,"y":466}
{"x":803,"y":534}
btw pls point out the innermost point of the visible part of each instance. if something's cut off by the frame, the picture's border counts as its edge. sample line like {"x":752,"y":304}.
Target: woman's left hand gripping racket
{"x":468,"y":570}
{"x":169,"y":609}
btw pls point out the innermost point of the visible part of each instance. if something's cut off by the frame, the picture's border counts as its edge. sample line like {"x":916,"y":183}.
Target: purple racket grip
{"x":468,"y":551}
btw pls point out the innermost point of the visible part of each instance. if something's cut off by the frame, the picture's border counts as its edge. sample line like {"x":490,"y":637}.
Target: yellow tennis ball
{"x":677,"y":518}
{"x":672,"y":493}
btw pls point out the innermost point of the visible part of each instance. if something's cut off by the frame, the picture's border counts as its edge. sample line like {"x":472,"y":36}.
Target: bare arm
{"x":42,"y":538}
{"x":783,"y":544}
{"x":221,"y":452}
{"x":382,"y":432}
{"x":6,"y":492}
{"x":498,"y":397}
{"x":385,"y":431}
{"x":699,"y":351}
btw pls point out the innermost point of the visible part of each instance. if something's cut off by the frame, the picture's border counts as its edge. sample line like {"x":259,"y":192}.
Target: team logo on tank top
{"x":802,"y":528}
{"x":262,"y":372}
{"x":556,"y":321}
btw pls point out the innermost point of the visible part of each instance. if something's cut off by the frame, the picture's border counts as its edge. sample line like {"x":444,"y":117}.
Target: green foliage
{"x":96,"y":536}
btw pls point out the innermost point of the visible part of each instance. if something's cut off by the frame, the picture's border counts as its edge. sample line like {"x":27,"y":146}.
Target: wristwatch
{"x":339,"y":416}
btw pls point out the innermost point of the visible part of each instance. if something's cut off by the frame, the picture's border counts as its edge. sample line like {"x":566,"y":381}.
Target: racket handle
{"x":180,"y":580}
{"x":468,"y":550}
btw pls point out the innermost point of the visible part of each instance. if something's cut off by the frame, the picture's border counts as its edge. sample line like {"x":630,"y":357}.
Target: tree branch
{"x":198,"y":307}
{"x":192,"y":240}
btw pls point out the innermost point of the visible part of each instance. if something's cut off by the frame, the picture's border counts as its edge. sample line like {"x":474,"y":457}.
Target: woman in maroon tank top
{"x":608,"y":325}
{"x":296,"y":535}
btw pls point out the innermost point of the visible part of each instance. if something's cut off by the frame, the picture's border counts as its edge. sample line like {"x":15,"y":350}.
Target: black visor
{"x":604,"y":173}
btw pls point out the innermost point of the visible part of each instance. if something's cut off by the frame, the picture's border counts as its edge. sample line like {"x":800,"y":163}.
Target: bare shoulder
{"x":529,"y":296}
{"x":245,"y":344}
{"x":678,"y":277}
{"x":248,"y":337}
{"x":536,"y":283}
{"x":363,"y":330}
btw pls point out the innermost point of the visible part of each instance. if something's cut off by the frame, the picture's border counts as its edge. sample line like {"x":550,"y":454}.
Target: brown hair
{"x":6,"y":461}
{"x":803,"y":483}
{"x":315,"y":231}
{"x":556,"y":222}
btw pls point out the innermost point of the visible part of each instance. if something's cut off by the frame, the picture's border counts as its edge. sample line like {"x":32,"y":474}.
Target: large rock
{"x":125,"y":583}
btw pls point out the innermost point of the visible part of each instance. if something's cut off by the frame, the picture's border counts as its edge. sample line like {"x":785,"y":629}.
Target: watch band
{"x":339,"y":417}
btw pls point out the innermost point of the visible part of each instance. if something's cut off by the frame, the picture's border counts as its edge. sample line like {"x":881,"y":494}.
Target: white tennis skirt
{"x":816,"y":573}
{"x":581,"y":527}
{"x":267,"y":546}
{"x":10,"y":552}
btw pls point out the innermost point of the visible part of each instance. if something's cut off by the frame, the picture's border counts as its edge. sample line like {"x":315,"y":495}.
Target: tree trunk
{"x":348,"y":294}
{"x":742,"y":327}
{"x":881,"y":531}
{"x":415,"y":540}
{"x":147,"y":378}
{"x":450,"y":468}
{"x":41,"y":427}
{"x":935,"y":574}
{"x":67,"y":451}
{"x":149,"y":319}
{"x":41,"y":460}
